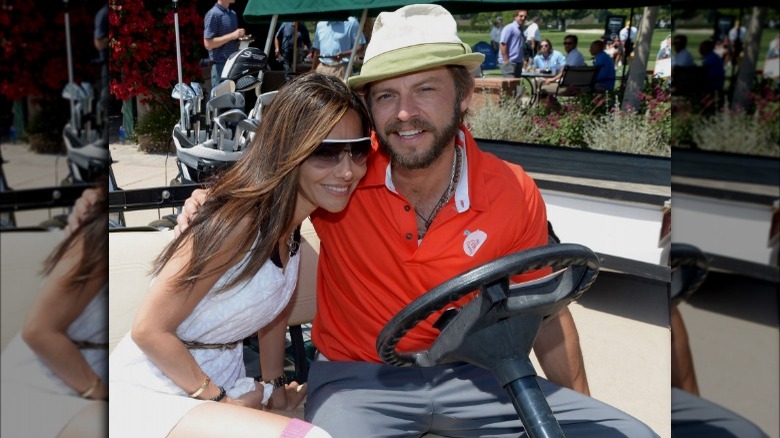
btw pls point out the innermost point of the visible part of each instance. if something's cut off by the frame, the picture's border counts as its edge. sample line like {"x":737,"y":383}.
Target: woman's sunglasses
{"x":331,"y":151}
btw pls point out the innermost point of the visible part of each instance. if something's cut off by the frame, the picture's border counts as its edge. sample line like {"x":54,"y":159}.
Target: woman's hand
{"x":287,"y":398}
{"x":190,"y":209}
{"x":82,"y":208}
{"x":252,"y":399}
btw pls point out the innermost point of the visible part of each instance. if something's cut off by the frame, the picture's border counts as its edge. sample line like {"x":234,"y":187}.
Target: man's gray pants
{"x":694,"y":417}
{"x":362,"y":399}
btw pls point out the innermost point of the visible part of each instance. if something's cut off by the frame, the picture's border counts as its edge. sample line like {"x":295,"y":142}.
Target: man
{"x":333,"y":44}
{"x":681,"y":56}
{"x":605,"y":78}
{"x":286,"y":40}
{"x":665,"y":51}
{"x":627,"y":37}
{"x":573,"y":59}
{"x":432,"y":205}
{"x":533,"y":37}
{"x":495,"y":34}
{"x":220,"y":36}
{"x":100,"y":40}
{"x":100,"y":35}
{"x":714,"y":69}
{"x":511,"y":56}
{"x":734,"y":42}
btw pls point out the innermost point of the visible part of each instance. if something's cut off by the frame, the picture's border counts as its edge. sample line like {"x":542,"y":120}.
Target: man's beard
{"x":441,"y":139}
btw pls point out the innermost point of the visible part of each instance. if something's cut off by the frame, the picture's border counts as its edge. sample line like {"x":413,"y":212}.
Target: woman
{"x":179,"y":372}
{"x":55,"y":371}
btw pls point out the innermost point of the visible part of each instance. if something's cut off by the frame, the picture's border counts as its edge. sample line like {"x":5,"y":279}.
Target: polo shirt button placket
{"x":409,"y":236}
{"x":407,"y":208}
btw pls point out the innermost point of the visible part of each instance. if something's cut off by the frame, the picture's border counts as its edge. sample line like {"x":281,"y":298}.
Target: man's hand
{"x":239,"y":33}
{"x":82,"y":208}
{"x":287,"y":399}
{"x":190,"y":209}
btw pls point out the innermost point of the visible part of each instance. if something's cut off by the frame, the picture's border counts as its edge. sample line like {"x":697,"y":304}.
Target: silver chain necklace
{"x":445,"y":197}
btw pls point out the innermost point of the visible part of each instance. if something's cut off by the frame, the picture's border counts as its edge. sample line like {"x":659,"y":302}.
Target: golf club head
{"x":73,"y":91}
{"x":226,"y":86}
{"x":226,"y":101}
{"x":183,"y":91}
{"x":248,"y":82}
{"x":245,"y":131}
{"x":88,"y":90}
{"x":197,"y":89}
{"x":198,"y":96}
{"x":263,"y":100}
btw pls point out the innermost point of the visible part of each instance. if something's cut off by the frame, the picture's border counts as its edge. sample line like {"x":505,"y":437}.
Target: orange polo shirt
{"x":371,"y":265}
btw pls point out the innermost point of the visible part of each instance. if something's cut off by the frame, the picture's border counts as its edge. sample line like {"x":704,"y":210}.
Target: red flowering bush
{"x":33,"y":55}
{"x":142,"y":41}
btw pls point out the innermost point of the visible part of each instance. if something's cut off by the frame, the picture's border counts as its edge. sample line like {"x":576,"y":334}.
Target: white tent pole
{"x":357,"y":43}
{"x":178,"y":60}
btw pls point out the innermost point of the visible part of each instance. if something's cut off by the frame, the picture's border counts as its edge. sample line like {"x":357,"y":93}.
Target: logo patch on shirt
{"x":473,"y":241}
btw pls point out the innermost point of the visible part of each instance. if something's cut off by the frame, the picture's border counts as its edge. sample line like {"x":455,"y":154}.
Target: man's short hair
{"x":572,"y":37}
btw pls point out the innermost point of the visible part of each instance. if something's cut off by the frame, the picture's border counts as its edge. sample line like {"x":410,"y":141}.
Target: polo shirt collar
{"x":470,"y":192}
{"x":221,"y":8}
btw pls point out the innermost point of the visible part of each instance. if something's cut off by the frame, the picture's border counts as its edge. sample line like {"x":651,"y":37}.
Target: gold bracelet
{"x":92,"y":388}
{"x":202,"y":388}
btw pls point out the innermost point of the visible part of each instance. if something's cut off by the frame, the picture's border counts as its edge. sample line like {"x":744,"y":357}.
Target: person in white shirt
{"x":681,"y":56}
{"x":532,"y":38}
{"x":574,"y":58}
{"x":627,"y":38}
{"x":495,"y":34}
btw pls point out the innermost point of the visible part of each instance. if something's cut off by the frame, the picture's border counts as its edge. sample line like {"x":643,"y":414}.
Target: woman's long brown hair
{"x":92,"y":235}
{"x":263,"y":184}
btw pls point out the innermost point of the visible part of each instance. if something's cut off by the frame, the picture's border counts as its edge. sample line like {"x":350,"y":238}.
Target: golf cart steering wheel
{"x":497,"y":328}
{"x":492,"y":280}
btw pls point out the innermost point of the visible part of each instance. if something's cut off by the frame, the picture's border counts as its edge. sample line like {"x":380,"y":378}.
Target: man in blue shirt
{"x":513,"y":46}
{"x":715,"y":72}
{"x":220,"y":36}
{"x":285,"y":41}
{"x":549,"y":60}
{"x":605,"y":78}
{"x":333,"y":43}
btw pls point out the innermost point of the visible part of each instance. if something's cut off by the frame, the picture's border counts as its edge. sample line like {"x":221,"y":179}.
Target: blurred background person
{"x":333,"y":44}
{"x":605,"y":78}
{"x":220,"y":36}
{"x":681,"y":57}
{"x":286,"y":40}
{"x":533,"y":37}
{"x":511,"y":57}
{"x":495,"y":34}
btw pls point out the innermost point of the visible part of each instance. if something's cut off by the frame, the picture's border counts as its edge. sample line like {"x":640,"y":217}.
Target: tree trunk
{"x":747,"y":67}
{"x":638,"y":72}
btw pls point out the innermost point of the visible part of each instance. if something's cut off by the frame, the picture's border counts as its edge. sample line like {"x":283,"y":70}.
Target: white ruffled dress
{"x":144,"y":402}
{"x":35,"y":402}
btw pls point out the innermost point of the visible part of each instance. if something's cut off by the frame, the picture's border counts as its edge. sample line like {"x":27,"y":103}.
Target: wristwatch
{"x":276,"y":383}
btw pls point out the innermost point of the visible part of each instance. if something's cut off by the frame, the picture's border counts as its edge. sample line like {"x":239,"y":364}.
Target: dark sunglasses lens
{"x":331,"y":154}
{"x":328,"y":152}
{"x":360,"y":151}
